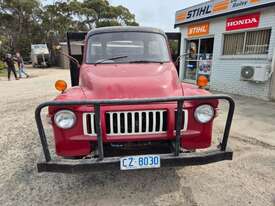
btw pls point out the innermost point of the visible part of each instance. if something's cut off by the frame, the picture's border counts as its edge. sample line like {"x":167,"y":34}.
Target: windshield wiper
{"x":112,"y":58}
{"x":145,"y":61}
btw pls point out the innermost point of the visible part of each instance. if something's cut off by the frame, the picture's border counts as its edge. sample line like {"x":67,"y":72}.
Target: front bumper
{"x":113,"y":163}
{"x":176,"y":158}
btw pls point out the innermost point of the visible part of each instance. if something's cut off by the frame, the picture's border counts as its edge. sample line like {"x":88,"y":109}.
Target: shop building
{"x":232,"y":43}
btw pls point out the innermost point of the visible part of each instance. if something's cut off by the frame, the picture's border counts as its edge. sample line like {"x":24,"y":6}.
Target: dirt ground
{"x":247,"y":180}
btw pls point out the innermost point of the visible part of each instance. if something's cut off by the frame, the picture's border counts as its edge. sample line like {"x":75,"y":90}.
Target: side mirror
{"x":58,"y":48}
{"x":176,"y":62}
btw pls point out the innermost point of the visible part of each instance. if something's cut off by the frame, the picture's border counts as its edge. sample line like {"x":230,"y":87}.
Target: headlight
{"x":204,"y":113}
{"x":65,"y":119}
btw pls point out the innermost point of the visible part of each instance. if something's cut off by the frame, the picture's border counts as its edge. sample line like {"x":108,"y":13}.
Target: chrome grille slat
{"x":125,"y":122}
{"x":111,"y":123}
{"x":118,"y":123}
{"x":93,"y":123}
{"x":133,"y":122}
{"x":84,"y":123}
{"x":140,"y":121}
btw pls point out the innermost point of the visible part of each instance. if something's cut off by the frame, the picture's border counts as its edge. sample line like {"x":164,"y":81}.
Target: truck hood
{"x":120,"y":81}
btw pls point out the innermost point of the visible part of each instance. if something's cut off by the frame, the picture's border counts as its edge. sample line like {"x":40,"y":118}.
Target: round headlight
{"x":65,"y":119}
{"x":204,"y":113}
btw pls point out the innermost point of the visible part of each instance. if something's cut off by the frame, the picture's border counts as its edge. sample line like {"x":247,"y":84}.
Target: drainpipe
{"x":272,"y":90}
{"x":272,"y":64}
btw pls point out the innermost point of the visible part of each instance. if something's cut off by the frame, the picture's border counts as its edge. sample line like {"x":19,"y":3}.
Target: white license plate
{"x":139,"y":162}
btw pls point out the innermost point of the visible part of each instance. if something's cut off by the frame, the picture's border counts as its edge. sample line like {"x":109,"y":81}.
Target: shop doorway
{"x":174,"y":40}
{"x":198,"y":60}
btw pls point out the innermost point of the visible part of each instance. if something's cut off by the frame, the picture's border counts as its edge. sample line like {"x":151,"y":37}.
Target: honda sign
{"x":243,"y":22}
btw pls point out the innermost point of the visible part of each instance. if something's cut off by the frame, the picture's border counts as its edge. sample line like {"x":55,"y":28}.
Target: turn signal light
{"x":60,"y":85}
{"x":202,"y":81}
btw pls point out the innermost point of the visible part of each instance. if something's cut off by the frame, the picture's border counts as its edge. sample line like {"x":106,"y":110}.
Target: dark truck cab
{"x":128,"y":109}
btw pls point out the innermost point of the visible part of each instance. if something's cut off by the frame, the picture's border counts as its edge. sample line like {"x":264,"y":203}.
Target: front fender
{"x":193,"y":90}
{"x":71,"y":94}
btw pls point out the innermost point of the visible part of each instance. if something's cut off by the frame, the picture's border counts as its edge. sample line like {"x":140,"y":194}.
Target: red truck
{"x":127,"y":108}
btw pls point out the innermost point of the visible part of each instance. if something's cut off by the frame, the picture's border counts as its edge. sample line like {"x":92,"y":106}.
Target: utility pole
{"x":1,"y":48}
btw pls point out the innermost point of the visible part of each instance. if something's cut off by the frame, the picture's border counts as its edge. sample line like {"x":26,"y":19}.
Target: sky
{"x":154,"y":13}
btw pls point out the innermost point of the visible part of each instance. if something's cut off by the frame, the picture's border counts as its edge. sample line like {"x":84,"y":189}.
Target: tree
{"x":17,"y":21}
{"x":26,"y":22}
{"x":98,"y":13}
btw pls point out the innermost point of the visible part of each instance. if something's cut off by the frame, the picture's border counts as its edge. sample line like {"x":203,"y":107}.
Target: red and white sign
{"x":243,"y":22}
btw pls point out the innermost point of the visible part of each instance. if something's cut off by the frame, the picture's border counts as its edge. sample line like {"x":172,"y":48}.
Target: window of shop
{"x":198,"y":60}
{"x":244,"y":43}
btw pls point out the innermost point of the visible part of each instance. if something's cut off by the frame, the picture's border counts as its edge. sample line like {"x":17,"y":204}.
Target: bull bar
{"x":108,"y":163}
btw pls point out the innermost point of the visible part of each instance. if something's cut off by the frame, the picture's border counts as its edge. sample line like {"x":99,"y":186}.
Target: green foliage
{"x":174,"y":46}
{"x":3,"y":71}
{"x":3,"y":47}
{"x":17,"y":21}
{"x":27,"y":22}
{"x":2,"y":65}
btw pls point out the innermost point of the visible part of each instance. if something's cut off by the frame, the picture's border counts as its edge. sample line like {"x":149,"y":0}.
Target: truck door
{"x":75,"y":42}
{"x":174,"y":39}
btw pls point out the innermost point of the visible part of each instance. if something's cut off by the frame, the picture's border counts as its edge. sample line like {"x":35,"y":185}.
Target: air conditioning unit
{"x":255,"y":72}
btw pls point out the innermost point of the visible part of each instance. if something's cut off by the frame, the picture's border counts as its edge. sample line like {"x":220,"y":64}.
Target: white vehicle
{"x":40,"y":55}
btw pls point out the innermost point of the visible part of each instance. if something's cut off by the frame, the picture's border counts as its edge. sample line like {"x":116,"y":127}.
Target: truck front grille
{"x":89,"y":124}
{"x":131,"y":122}
{"x":136,"y":122}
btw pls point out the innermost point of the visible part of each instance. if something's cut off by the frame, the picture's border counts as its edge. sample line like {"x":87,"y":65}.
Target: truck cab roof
{"x":125,"y":29}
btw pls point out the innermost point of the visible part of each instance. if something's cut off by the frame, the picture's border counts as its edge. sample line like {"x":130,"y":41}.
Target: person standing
{"x":21,"y":66}
{"x":10,"y":63}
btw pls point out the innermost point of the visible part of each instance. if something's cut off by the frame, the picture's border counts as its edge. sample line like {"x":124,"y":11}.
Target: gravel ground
{"x":247,"y":180}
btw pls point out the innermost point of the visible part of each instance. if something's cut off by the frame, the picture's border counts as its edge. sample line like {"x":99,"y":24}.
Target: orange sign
{"x":198,"y":29}
{"x":220,"y":6}
{"x":181,"y":16}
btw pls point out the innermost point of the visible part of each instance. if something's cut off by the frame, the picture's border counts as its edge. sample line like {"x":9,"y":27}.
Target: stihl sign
{"x":198,"y":29}
{"x":243,"y":22}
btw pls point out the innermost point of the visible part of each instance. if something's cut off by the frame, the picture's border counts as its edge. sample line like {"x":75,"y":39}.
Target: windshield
{"x":127,"y":47}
